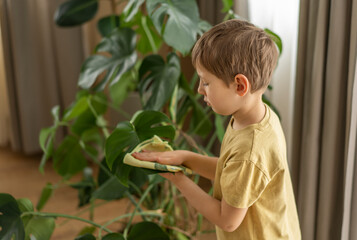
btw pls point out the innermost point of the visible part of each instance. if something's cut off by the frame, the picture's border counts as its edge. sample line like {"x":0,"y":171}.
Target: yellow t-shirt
{"x":252,"y":172}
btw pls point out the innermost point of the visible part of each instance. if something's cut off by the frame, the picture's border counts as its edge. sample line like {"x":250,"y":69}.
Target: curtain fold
{"x":42,"y":65}
{"x":323,"y":112}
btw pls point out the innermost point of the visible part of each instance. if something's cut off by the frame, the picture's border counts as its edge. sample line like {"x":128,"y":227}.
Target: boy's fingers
{"x":146,"y":156}
{"x":146,"y":151}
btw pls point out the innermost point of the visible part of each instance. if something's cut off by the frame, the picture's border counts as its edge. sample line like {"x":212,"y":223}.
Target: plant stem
{"x":84,"y":210}
{"x":94,"y":159}
{"x":105,"y":130}
{"x":113,"y":5}
{"x":192,"y":142}
{"x":136,"y":208}
{"x":42,"y":214}
{"x":134,"y":203}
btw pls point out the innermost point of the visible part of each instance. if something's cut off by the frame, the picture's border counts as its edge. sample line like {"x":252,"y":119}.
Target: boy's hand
{"x":167,"y":158}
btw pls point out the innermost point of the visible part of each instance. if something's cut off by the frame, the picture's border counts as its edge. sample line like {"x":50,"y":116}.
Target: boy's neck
{"x":251,"y":113}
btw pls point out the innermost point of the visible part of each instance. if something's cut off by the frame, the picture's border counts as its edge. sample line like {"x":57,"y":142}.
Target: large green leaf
{"x":227,"y":5}
{"x":120,"y":90}
{"x":127,"y":135}
{"x":132,"y":8}
{"x":147,"y":231}
{"x":36,"y":227}
{"x":10,"y":218}
{"x":40,"y":228}
{"x":181,"y":28}
{"x":87,"y":120}
{"x":25,"y":205}
{"x":121,"y":45}
{"x":108,"y":24}
{"x":75,"y":12}
{"x":149,"y":40}
{"x":76,"y":109}
{"x":86,"y":236}
{"x":123,"y":137}
{"x":158,"y":79}
{"x":68,"y":158}
{"x":113,"y":236}
{"x":110,"y":190}
{"x":150,"y":123}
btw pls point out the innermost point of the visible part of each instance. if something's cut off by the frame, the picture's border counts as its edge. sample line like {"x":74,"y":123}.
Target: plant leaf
{"x":132,"y":8}
{"x":110,"y":190}
{"x":25,"y":205}
{"x":113,"y":236}
{"x":88,"y":120}
{"x":45,"y":196}
{"x":68,"y":158}
{"x":122,"y":137}
{"x":121,"y":45}
{"x":40,"y":228}
{"x":108,"y":24}
{"x":144,"y":125}
{"x":181,"y":28}
{"x":147,"y":231}
{"x":159,"y":79}
{"x":75,"y":12}
{"x":10,"y":218}
{"x":150,"y":123}
{"x":227,"y":5}
{"x":77,"y":108}
{"x":86,"y":236}
{"x":149,"y":40}
{"x":87,"y":230}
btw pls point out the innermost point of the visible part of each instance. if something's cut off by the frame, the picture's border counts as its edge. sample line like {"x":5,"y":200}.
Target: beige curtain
{"x":42,"y":64}
{"x":4,"y":103}
{"x":324,"y":139}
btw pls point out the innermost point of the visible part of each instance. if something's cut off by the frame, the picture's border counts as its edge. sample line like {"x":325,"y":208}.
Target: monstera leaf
{"x":158,"y":79}
{"x":147,"y":231}
{"x":10,"y":218}
{"x":132,"y":8}
{"x":68,"y":158}
{"x":181,"y":28}
{"x":121,"y":45}
{"x":75,"y":12}
{"x":108,"y":24}
{"x":127,"y":135}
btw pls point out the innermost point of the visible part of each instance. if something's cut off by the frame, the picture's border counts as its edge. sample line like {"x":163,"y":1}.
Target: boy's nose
{"x":200,"y":89}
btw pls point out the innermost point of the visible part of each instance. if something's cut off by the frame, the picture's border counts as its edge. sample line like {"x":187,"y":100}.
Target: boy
{"x":253,"y":196}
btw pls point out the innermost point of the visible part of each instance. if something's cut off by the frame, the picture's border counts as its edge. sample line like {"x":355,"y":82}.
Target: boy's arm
{"x":202,"y":165}
{"x":221,"y":214}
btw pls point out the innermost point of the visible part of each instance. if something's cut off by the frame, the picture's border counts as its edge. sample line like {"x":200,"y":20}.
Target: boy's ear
{"x":242,"y":84}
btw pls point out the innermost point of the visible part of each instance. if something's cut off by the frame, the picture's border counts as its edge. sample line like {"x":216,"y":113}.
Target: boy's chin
{"x":222,"y":113}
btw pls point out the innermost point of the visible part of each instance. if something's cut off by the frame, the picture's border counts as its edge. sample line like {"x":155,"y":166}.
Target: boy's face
{"x":220,"y":97}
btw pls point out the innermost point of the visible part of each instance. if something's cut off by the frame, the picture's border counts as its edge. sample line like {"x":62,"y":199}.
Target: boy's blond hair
{"x":237,"y":47}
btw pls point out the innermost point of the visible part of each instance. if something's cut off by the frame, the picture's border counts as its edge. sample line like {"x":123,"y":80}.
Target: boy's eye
{"x":205,"y":84}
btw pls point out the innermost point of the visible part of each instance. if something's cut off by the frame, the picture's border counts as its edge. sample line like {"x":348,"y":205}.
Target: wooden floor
{"x":19,"y":176}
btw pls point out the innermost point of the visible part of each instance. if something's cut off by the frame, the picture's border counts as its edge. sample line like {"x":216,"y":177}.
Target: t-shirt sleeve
{"x":242,"y":183}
